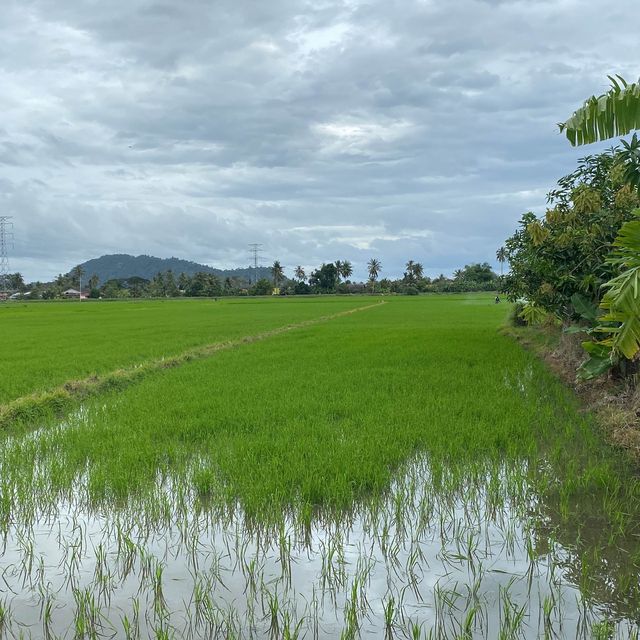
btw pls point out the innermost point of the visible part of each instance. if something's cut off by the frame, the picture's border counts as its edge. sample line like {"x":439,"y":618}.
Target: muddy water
{"x":440,"y":554}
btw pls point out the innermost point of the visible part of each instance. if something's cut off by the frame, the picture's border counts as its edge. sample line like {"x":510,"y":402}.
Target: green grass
{"x":47,"y":344}
{"x":318,"y":425}
{"x":428,"y":375}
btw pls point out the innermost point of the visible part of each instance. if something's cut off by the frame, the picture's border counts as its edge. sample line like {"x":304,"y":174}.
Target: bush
{"x":261,"y":288}
{"x":301,"y":288}
{"x":515,"y":316}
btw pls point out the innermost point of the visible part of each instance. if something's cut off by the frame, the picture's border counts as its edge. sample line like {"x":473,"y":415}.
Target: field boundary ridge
{"x":29,"y":408}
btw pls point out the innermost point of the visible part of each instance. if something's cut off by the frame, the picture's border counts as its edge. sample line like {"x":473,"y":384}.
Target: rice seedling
{"x":5,"y":617}
{"x":403,"y":471}
{"x":45,"y":350}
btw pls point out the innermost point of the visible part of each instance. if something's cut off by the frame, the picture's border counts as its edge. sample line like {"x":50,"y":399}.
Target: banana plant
{"x":620,"y":323}
{"x":612,"y":114}
{"x":588,"y":312}
{"x":533,"y":314}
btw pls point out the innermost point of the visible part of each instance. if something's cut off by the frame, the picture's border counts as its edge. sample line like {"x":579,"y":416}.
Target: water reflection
{"x":472,"y":553}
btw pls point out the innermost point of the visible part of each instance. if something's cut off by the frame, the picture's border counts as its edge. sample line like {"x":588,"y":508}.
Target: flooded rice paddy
{"x":404,"y":472}
{"x":445,"y":553}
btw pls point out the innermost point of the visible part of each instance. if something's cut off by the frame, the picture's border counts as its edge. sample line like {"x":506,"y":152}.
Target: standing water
{"x":445,"y":553}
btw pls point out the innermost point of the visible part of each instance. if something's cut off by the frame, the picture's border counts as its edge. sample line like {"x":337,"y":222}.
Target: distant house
{"x":71,"y":293}
{"x":19,"y":295}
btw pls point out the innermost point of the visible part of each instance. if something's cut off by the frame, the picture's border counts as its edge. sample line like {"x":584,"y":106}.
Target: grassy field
{"x":50,"y":343}
{"x":402,"y":471}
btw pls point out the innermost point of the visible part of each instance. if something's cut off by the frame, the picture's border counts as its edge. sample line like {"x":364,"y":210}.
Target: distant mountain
{"x":122,"y":265}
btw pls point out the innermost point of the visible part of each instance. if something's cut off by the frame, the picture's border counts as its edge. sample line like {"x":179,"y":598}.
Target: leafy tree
{"x":617,"y":331}
{"x":501,"y":257}
{"x":170,"y":285}
{"x":477,"y":272}
{"x":93,"y":282}
{"x":13,"y":282}
{"x":301,"y":288}
{"x":564,"y":253}
{"x":324,"y":279}
{"x":204,"y":285}
{"x":75,"y":276}
{"x":113,"y":289}
{"x":138,"y":287}
{"x":183,"y":281}
{"x":261,"y":288}
{"x":156,"y":288}
{"x":385,"y":285}
{"x":612,"y":114}
{"x":473,"y":277}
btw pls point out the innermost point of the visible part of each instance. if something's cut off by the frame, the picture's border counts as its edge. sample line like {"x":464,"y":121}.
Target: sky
{"x":323,"y":130}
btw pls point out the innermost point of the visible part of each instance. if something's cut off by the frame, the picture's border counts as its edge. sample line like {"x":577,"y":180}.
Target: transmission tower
{"x":255,"y":249}
{"x":6,"y":241}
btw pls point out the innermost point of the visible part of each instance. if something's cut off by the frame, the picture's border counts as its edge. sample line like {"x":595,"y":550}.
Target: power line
{"x":6,"y":240}
{"x":255,"y":249}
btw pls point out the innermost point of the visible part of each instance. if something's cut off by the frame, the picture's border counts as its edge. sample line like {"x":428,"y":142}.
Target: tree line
{"x":331,"y":277}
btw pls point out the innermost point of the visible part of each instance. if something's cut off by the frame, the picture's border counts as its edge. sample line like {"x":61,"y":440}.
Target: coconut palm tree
{"x":277,"y":272}
{"x":374,"y":267}
{"x":300,"y":274}
{"x":501,"y":255}
{"x":76,"y":276}
{"x":414,"y":271}
{"x":338,"y":265}
{"x":346,"y":269}
{"x":408,"y":274}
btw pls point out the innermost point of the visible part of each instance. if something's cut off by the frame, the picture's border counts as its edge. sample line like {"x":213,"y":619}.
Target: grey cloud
{"x":329,"y":130}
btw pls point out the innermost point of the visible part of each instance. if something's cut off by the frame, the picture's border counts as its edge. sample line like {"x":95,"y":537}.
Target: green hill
{"x":122,"y":265}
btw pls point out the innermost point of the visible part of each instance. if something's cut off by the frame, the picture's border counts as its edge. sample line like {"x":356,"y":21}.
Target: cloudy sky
{"x":324,"y":130}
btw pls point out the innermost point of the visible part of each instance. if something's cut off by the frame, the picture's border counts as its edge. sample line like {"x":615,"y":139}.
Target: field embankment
{"x":614,"y":402}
